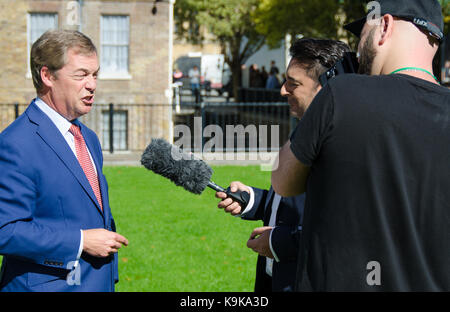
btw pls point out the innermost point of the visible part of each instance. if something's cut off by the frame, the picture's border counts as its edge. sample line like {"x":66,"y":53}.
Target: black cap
{"x":425,"y":14}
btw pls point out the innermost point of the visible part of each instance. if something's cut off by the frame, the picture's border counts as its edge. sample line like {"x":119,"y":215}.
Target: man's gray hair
{"x":50,"y":50}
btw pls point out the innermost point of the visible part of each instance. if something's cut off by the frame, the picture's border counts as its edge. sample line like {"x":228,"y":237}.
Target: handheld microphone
{"x":184,"y":169}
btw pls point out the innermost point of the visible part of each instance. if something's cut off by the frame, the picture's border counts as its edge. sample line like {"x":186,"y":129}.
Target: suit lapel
{"x":53,"y":138}
{"x":268,"y":206}
{"x":269,"y":198}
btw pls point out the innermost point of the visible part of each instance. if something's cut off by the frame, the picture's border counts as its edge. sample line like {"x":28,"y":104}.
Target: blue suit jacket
{"x":285,"y":239}
{"x":45,"y":200}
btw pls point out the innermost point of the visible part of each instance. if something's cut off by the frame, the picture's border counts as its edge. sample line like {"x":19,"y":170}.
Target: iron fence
{"x":232,"y":127}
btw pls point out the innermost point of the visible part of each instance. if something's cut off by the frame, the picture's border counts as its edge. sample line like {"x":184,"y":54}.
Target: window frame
{"x":29,"y":43}
{"x":119,"y":75}
{"x":105,"y":129}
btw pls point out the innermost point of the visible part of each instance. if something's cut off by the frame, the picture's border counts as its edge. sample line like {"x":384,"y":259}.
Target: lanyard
{"x":415,"y":69}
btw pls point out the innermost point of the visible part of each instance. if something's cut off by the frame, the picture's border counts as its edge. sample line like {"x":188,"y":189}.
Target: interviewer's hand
{"x":102,"y":243}
{"x":259,"y":241}
{"x":228,"y":204}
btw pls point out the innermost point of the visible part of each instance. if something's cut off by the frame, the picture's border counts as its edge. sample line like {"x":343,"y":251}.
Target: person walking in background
{"x":264,"y":76}
{"x":177,"y":75}
{"x":194,"y":75}
{"x":56,"y":228}
{"x":446,"y":72}
{"x":255,"y":78}
{"x":274,"y":68}
{"x":272,"y":80}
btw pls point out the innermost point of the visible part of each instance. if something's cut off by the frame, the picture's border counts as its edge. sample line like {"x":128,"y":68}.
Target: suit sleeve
{"x":20,"y":235}
{"x":285,"y":237}
{"x":256,"y":212}
{"x":285,"y":241}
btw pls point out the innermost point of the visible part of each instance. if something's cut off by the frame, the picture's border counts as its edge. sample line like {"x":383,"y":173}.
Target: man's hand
{"x":260,"y":244}
{"x":102,"y":243}
{"x":228,"y":204}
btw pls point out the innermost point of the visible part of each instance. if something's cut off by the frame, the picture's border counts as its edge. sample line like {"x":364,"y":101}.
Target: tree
{"x":274,"y":19}
{"x":446,"y":12}
{"x":309,"y":18}
{"x":353,"y":9}
{"x":231,"y":25}
{"x":241,"y":27}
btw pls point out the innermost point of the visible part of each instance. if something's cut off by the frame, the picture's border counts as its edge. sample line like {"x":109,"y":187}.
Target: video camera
{"x":347,"y":65}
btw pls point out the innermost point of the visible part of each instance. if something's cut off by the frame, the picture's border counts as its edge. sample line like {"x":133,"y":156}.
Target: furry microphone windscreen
{"x":180,"y":167}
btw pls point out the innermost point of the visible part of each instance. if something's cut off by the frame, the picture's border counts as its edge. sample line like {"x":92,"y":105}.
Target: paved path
{"x":265,"y":160}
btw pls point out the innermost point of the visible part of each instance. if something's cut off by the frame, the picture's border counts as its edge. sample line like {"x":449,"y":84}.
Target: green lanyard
{"x":415,"y":69}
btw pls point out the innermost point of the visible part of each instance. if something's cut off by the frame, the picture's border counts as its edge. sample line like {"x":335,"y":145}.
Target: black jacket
{"x":285,"y":239}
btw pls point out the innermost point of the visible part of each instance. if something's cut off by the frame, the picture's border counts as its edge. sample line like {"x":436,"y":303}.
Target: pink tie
{"x":85,"y":162}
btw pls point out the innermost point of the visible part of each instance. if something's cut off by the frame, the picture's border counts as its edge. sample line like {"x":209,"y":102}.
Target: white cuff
{"x":250,"y":203}
{"x":80,"y":250}
{"x":271,"y":247}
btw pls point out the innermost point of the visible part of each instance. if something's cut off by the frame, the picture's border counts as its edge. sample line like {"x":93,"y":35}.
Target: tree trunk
{"x":236,"y":73}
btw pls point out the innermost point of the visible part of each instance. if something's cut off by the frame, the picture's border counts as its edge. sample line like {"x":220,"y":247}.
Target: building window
{"x":39,"y":23}
{"x":115,"y":40}
{"x":120,"y":130}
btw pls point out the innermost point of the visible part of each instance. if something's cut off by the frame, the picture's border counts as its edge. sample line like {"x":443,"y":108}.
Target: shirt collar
{"x":60,"y":122}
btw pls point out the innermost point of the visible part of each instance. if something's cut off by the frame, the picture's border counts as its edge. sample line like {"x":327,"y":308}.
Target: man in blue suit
{"x":56,"y":228}
{"x":277,"y":241}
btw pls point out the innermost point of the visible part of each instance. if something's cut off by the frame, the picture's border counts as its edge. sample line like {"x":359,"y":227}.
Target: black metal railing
{"x":252,"y":95}
{"x":233,"y":127}
{"x":206,"y":126}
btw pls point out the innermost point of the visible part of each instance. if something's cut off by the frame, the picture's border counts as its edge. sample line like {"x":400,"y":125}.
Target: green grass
{"x":180,"y":241}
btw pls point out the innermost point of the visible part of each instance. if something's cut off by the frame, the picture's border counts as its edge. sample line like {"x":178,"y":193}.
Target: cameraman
{"x":372,"y":152}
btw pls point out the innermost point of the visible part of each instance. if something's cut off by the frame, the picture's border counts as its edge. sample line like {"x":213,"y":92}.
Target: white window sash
{"x":114,"y":44}
{"x":37,"y":24}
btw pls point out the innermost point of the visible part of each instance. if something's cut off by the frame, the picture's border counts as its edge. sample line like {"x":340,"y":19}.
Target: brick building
{"x":134,"y":46}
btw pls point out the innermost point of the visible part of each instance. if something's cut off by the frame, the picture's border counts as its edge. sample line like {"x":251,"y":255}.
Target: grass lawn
{"x":180,"y":241}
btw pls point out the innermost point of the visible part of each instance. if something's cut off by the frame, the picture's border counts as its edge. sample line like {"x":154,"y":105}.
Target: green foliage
{"x":353,"y":10}
{"x":228,"y":22}
{"x":446,"y":12}
{"x":274,"y":19}
{"x":310,"y":18}
{"x":185,"y":22}
{"x":223,"y":19}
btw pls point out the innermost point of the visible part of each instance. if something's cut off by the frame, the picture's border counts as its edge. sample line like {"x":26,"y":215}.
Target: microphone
{"x":183,"y":169}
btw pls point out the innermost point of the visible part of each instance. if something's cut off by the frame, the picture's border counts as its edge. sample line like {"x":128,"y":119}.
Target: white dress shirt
{"x":272,"y":222}
{"x":63,"y":126}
